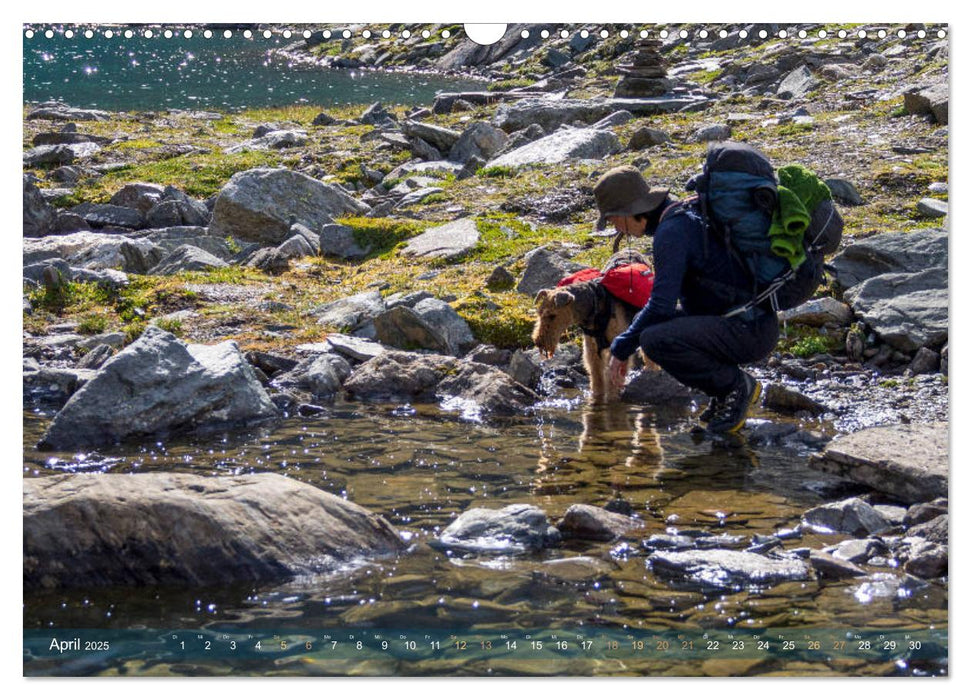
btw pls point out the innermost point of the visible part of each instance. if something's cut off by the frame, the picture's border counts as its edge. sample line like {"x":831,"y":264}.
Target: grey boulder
{"x":561,"y":146}
{"x":515,"y":529}
{"x":158,"y":385}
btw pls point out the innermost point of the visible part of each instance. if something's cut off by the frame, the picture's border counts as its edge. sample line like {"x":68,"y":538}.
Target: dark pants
{"x":704,"y":352}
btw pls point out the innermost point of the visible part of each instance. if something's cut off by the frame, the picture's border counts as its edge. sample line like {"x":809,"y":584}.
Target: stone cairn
{"x":645,"y":76}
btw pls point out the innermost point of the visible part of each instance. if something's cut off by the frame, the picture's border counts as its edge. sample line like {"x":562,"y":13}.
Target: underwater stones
{"x":87,"y":530}
{"x":586,"y":522}
{"x":160,"y":385}
{"x":515,"y":529}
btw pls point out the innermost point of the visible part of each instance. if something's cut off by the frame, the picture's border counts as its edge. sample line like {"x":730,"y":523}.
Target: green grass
{"x":382,"y":235}
{"x":497,"y":171}
{"x":74,"y":297}
{"x":92,"y":325}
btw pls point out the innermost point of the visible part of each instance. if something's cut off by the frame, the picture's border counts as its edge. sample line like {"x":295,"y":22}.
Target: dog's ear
{"x":541,"y":296}
{"x":562,"y":299}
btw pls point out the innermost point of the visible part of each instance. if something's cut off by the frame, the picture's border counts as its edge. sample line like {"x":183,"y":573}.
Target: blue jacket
{"x":691,"y":266}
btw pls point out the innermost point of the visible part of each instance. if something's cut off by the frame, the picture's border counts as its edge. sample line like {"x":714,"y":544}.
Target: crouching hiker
{"x":696,"y":343}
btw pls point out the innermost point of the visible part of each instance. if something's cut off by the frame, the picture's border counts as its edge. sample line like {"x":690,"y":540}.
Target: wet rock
{"x":585,"y":522}
{"x":450,"y":241}
{"x":769,"y":432}
{"x":159,"y":385}
{"x":785,"y":400}
{"x":39,"y":216}
{"x":655,"y":388}
{"x":859,"y":551}
{"x":716,"y":132}
{"x":270,"y":363}
{"x":525,"y":369}
{"x":668,"y":542}
{"x":645,"y":137}
{"x":53,"y":386}
{"x":723,"y":569}
{"x":915,"y":251}
{"x":500,"y":279}
{"x":922,"y":558}
{"x":829,"y":566}
{"x":931,"y":100}
{"x":490,"y":355}
{"x":922,"y":512}
{"x":932,"y":208}
{"x":187,"y":257}
{"x":262,"y":204}
{"x":819,"y":312}
{"x":321,"y":375}
{"x":559,"y":147}
{"x":907,"y":310}
{"x":435,"y":326}
{"x":515,"y":529}
{"x":892,"y":514}
{"x":161,"y":529}
{"x":397,"y":375}
{"x":481,"y":140}
{"x":485,"y":389}
{"x":141,"y":196}
{"x":934,"y":530}
{"x":353,"y":313}
{"x":796,"y":84}
{"x":852,"y":516}
{"x":907,"y":461}
{"x":357,"y":349}
{"x":844,"y":191}
{"x":544,"y":268}
{"x":102,"y":215}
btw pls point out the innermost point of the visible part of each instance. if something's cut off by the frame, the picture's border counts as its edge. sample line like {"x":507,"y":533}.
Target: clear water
{"x":120,"y":74}
{"x":421,"y":468}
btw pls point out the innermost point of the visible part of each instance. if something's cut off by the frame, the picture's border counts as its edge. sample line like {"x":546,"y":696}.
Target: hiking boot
{"x":714,"y":405}
{"x":730,"y":415}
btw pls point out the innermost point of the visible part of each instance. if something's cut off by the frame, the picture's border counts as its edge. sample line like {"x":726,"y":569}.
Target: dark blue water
{"x":198,"y":73}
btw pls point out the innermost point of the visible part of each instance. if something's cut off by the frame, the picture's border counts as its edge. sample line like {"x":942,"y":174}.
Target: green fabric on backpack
{"x":800,"y":191}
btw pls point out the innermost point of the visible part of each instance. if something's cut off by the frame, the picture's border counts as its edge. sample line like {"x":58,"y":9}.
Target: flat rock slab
{"x":915,"y":251}
{"x":515,"y":529}
{"x":85,"y":530}
{"x":585,"y":522}
{"x":359,"y":349}
{"x":725,"y":569}
{"x":450,"y":242}
{"x":907,"y":461}
{"x":564,"y":145}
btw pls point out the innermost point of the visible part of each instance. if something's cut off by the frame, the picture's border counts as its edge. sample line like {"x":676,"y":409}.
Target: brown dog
{"x":601,"y":317}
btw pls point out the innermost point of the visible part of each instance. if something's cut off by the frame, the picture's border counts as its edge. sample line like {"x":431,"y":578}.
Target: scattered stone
{"x":934,"y":530}
{"x":584,"y":522}
{"x":138,"y":195}
{"x":932,"y":101}
{"x":262,"y":204}
{"x":39,"y":216}
{"x":724,"y":569}
{"x":544,"y":268}
{"x":645,"y":137}
{"x":357,"y":349}
{"x":915,"y":251}
{"x":96,"y":357}
{"x":769,"y":432}
{"x":785,"y":400}
{"x":716,"y":132}
{"x":922,"y":512}
{"x":932,"y":208}
{"x":515,"y":529}
{"x":852,"y":516}
{"x":926,"y":361}
{"x":490,"y":355}
{"x":524,"y":369}
{"x":398,"y":375}
{"x":500,"y":279}
{"x":61,"y":112}
{"x":323,"y":119}
{"x":906,"y":310}
{"x":95,"y":251}
{"x":157,"y":385}
{"x":87,"y":530}
{"x":102,"y":215}
{"x":417,"y":196}
{"x":339,"y":240}
{"x":481,"y":140}
{"x":825,"y":311}
{"x":859,"y":551}
{"x":796,"y":84}
{"x":187,"y":257}
{"x":351,"y":313}
{"x":611,"y":120}
{"x":377,"y":115}
{"x":559,"y":147}
{"x":450,"y":241}
{"x":439,"y":137}
{"x":844,"y":192}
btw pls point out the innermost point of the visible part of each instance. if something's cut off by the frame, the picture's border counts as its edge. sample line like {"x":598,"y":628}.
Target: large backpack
{"x":738,"y":195}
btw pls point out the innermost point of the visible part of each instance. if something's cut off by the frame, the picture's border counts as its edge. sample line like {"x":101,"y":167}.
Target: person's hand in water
{"x":617,"y":370}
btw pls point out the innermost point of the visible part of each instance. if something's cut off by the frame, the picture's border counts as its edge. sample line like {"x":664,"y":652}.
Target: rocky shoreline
{"x":189,"y":271}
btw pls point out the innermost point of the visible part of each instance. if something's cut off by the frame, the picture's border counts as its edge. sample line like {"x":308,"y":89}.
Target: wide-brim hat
{"x":623,"y":191}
